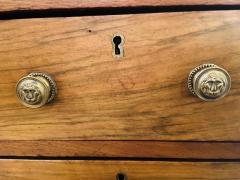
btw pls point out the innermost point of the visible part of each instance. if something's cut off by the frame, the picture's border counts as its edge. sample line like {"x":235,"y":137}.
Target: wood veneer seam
{"x":77,"y":158}
{"x":74,"y":12}
{"x":156,"y":141}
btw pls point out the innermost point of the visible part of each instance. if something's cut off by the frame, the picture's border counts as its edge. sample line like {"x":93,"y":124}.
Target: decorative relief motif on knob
{"x":30,"y":93}
{"x":212,"y":86}
{"x":36,"y":89}
{"x":209,"y":82}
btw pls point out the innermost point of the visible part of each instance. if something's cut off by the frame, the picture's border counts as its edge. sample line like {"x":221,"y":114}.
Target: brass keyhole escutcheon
{"x":209,"y":82}
{"x":117,"y":43}
{"x":36,"y":89}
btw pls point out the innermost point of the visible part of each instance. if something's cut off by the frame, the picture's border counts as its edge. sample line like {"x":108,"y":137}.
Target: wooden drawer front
{"x":107,"y":170}
{"x":142,"y":96}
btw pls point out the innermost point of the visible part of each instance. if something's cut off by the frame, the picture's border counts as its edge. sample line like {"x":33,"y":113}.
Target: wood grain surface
{"x":142,"y":96}
{"x":121,"y":149}
{"x":12,"y":5}
{"x":107,"y":170}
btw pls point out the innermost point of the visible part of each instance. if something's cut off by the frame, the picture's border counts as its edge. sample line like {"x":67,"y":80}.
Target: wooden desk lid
{"x":13,"y":5}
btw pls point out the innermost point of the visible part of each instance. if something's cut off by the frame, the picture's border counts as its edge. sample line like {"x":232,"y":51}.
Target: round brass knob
{"x":36,"y":90}
{"x":209,"y":82}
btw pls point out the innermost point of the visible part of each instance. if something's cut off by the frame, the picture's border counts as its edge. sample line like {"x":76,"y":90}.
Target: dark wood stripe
{"x":127,"y":149}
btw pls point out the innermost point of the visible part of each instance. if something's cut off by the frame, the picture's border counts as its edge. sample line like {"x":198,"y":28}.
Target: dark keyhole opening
{"x":121,"y":176}
{"x":117,"y":40}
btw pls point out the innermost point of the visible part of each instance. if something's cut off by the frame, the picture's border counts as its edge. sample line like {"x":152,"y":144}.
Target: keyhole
{"x":117,"y":41}
{"x":121,"y":176}
{"x":117,"y":46}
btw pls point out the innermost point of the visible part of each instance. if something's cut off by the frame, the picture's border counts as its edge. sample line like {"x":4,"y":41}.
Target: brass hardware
{"x":36,"y":90}
{"x":117,"y":43}
{"x":209,"y":82}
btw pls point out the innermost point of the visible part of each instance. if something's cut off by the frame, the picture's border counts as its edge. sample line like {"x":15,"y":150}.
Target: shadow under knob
{"x":209,"y":82}
{"x":36,"y":90}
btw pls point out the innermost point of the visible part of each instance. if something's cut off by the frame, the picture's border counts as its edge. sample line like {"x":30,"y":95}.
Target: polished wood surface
{"x":13,"y":5}
{"x":142,"y":96}
{"x":107,"y":170}
{"x":121,"y":149}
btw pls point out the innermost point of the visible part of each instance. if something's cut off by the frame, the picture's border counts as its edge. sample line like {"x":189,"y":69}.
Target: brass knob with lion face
{"x":209,"y":82}
{"x":36,"y":90}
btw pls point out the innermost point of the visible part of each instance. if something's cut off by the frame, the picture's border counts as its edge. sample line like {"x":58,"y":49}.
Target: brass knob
{"x":36,"y":90}
{"x":209,"y":82}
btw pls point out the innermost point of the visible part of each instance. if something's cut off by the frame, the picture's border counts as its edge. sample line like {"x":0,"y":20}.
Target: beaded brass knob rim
{"x":36,"y":90}
{"x":209,"y":82}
